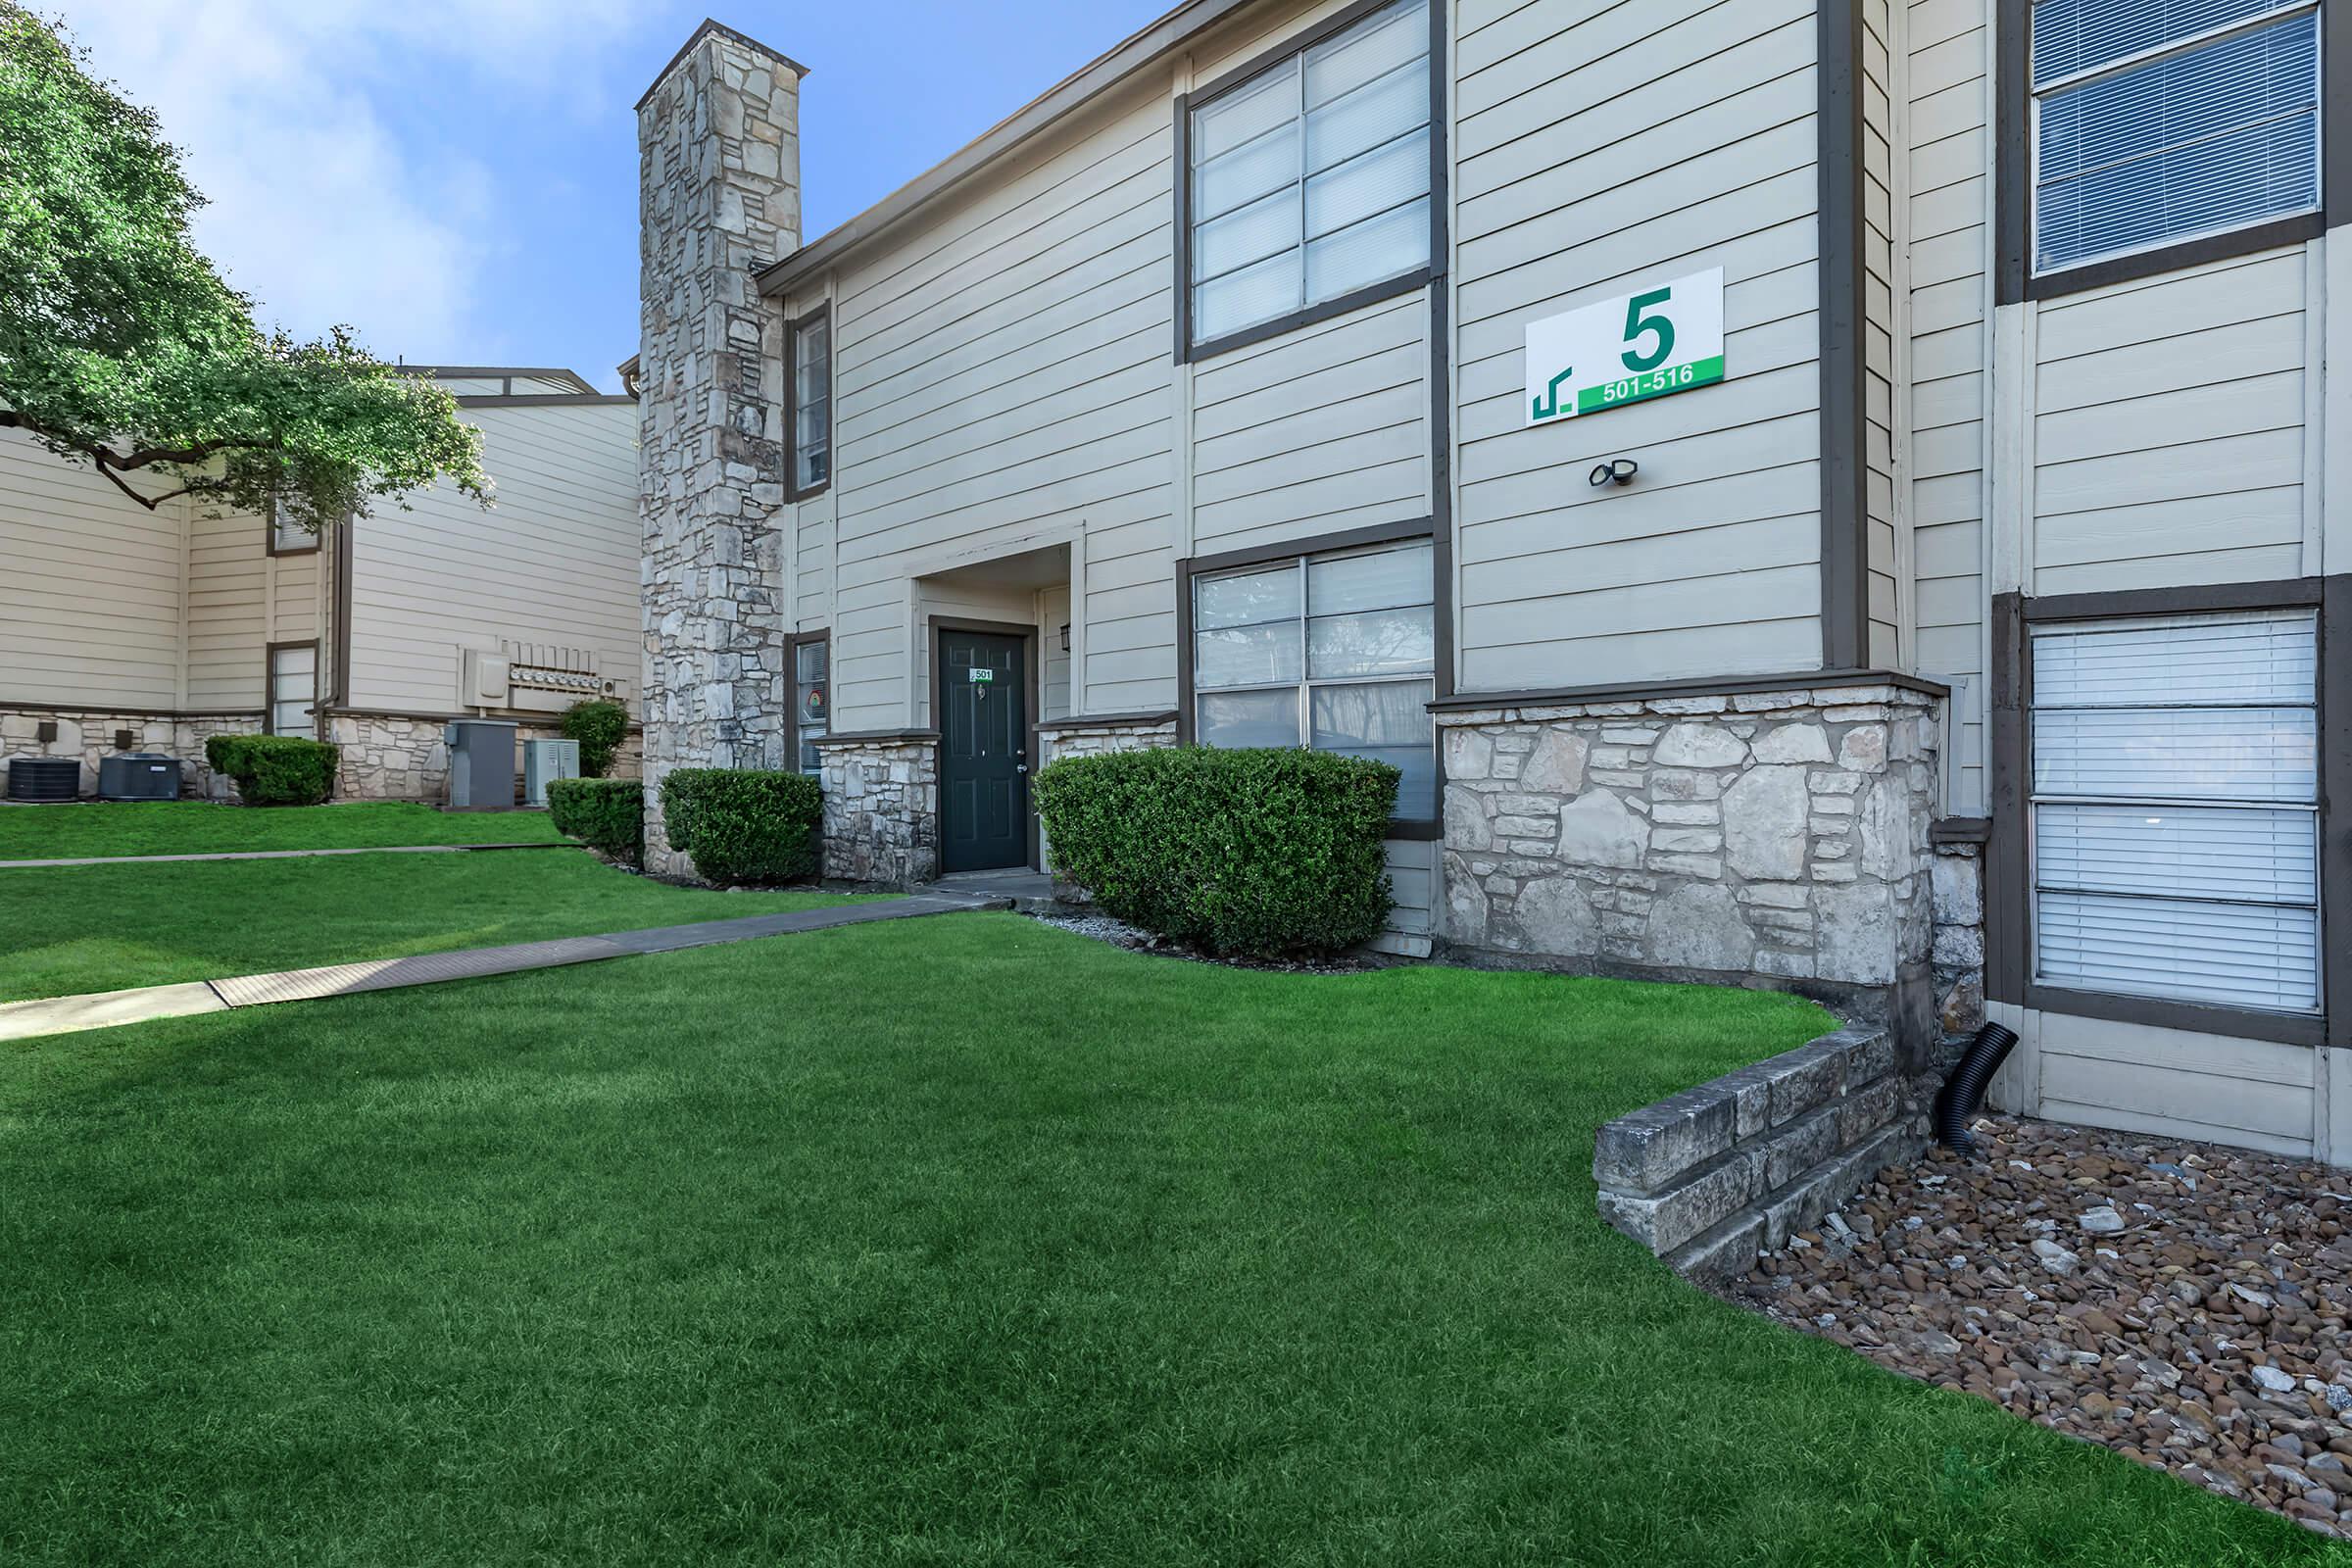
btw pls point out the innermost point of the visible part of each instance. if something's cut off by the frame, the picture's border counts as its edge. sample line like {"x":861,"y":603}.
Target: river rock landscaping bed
{"x":2185,"y":1304}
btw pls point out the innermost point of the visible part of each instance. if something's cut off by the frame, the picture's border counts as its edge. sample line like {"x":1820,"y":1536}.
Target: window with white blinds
{"x":2176,"y":809}
{"x":2157,"y":120}
{"x":1310,"y":180}
{"x":1335,"y":653}
{"x":812,"y":362}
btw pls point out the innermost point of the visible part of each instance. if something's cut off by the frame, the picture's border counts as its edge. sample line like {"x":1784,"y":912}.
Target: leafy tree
{"x":122,"y":347}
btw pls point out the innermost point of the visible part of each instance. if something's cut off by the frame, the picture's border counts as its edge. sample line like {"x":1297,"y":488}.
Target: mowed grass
{"x":73,"y":929}
{"x":202,"y":827}
{"x":959,"y":1240}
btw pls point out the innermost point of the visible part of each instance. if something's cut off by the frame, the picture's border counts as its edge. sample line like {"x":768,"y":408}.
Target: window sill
{"x":2309,"y":1029}
{"x":1340,"y":305}
{"x":2174,"y":257}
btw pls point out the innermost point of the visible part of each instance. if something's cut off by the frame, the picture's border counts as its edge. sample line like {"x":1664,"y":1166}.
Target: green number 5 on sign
{"x":1662,"y":338}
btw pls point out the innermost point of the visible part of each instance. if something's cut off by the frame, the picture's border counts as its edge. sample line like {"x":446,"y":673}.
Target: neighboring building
{"x":2001,"y":520}
{"x":124,"y":629}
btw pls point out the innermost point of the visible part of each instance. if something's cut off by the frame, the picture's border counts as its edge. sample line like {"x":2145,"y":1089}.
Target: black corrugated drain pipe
{"x":1964,"y":1091}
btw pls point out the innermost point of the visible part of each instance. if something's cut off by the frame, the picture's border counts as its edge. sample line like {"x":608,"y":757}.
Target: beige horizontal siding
{"x":1597,"y":146}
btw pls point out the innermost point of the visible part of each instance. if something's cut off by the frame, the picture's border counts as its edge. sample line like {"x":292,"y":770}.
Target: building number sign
{"x":1662,"y":338}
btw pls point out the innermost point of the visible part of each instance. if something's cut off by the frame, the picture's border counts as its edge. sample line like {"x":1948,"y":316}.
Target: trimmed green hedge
{"x":607,"y":814}
{"x":1269,"y":854}
{"x":600,"y":725}
{"x":741,"y":824}
{"x":275,"y":769}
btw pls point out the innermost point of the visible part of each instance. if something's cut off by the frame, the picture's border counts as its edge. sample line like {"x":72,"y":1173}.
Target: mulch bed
{"x":2182,"y":1303}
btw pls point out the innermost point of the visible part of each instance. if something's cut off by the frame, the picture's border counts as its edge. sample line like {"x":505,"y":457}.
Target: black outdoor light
{"x":1617,"y":471}
{"x":1065,"y":636}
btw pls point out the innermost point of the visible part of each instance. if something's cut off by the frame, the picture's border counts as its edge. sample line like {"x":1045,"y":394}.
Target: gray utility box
{"x":545,"y":761}
{"x":138,"y":776}
{"x":482,"y":765}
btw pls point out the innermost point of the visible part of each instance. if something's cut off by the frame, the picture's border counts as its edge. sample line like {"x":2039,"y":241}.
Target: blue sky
{"x":458,"y":178}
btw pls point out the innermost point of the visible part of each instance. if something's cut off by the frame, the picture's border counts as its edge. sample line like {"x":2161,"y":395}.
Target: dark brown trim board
{"x":546,"y":400}
{"x":270,"y":652}
{"x":910,"y":735}
{"x":2008,"y":869}
{"x":507,"y":373}
{"x":275,"y":552}
{"x":345,"y":566}
{"x":1031,"y":647}
{"x":1960,"y":830}
{"x":822,"y":315}
{"x":1845,"y":370}
{"x":101,"y":710}
{"x":2015,"y":280}
{"x":1087,"y":721}
{"x":792,"y":690}
{"x":1441,"y":615}
{"x":2335,"y":804}
{"x":1698,"y":686}
{"x":1372,"y":293}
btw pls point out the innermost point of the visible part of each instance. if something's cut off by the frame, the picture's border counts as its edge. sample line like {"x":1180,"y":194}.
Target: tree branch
{"x":114,"y":465}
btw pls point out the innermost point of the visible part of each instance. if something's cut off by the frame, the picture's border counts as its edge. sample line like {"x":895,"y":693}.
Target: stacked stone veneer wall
{"x":1959,"y":950}
{"x":1764,"y":837}
{"x":1094,"y":738}
{"x":718,"y":185}
{"x":881,"y":810}
{"x":1716,"y":1174}
{"x":394,"y":757}
{"x":89,"y":735}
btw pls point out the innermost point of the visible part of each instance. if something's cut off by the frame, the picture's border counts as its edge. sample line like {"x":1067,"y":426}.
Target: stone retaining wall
{"x":1776,"y":837}
{"x":1715,"y":1175}
{"x":881,"y":799}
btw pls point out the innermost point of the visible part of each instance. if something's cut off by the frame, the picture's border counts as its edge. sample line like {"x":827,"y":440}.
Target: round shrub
{"x":743,"y":824}
{"x":275,"y":769}
{"x":1264,"y":854}
{"x":607,"y":814}
{"x":600,"y":725}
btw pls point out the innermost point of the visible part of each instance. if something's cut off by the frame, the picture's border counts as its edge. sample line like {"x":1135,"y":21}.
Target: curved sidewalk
{"x":103,"y":1009}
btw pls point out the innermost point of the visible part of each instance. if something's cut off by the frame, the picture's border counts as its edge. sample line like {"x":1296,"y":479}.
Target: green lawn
{"x":960,"y":1241}
{"x":202,"y":827}
{"x":104,"y":927}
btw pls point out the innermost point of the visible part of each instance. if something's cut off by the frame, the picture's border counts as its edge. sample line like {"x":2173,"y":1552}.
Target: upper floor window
{"x":1310,"y":179}
{"x":2160,"y":120}
{"x":287,"y":535}
{"x":809,"y":352}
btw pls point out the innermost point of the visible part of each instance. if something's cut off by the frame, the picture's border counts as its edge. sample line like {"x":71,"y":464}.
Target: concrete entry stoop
{"x":1029,"y":891}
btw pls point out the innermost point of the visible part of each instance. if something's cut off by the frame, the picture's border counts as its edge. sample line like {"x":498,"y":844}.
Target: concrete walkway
{"x":281,"y":854}
{"x":103,"y":1009}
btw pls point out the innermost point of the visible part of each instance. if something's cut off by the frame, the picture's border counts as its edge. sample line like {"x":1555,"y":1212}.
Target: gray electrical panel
{"x":482,"y":765}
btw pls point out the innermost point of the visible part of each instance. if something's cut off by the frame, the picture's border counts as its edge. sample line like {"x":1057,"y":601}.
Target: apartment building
{"x":1841,"y":496}
{"x":124,"y":629}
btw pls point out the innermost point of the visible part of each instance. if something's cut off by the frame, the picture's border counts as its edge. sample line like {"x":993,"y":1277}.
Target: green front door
{"x":984,"y":745}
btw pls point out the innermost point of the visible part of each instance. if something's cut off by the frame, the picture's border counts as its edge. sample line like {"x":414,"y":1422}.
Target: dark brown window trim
{"x":909,"y":735}
{"x":271,"y":548}
{"x":1960,"y":830}
{"x":1031,"y":647}
{"x":2015,"y":281}
{"x":791,"y":452}
{"x":2008,"y":892}
{"x":344,"y":565}
{"x":1844,"y":360}
{"x":270,"y":652}
{"x":1441,"y":570}
{"x":546,"y":400}
{"x":792,"y":690}
{"x":1433,"y":274}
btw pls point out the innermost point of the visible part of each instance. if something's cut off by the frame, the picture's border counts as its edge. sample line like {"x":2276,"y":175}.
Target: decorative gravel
{"x":2185,"y":1304}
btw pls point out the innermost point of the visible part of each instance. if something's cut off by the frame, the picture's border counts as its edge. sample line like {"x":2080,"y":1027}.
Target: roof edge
{"x":711,"y":24}
{"x":486,"y":373}
{"x":1006,"y":135}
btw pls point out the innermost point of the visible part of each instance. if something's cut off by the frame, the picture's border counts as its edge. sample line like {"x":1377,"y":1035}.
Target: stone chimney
{"x":718,"y":157}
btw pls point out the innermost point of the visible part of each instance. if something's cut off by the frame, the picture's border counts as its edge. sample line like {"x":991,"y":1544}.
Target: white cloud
{"x":331,"y":199}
